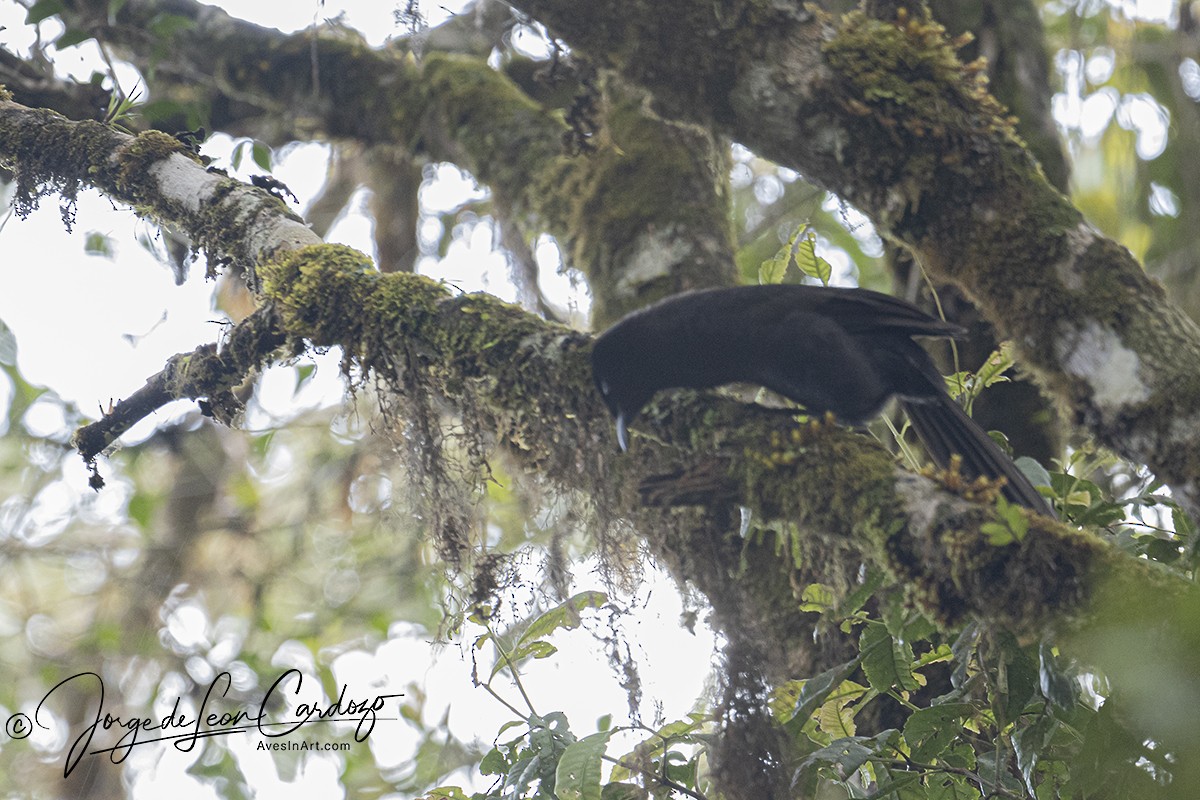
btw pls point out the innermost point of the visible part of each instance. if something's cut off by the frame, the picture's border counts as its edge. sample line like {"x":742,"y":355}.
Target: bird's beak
{"x":622,"y":433}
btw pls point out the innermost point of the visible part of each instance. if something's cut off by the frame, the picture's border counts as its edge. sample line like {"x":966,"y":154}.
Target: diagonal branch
{"x":882,"y":112}
{"x":208,"y":372}
{"x":531,"y":381}
{"x":153,"y":172}
{"x":530,"y":384}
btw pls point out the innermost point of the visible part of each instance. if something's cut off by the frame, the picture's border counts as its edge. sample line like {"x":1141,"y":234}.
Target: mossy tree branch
{"x":152,"y":172}
{"x":534,"y":383}
{"x":159,"y":176}
{"x":883,"y":113}
{"x":209,"y":372}
{"x":530,"y":382}
{"x":532,"y":379}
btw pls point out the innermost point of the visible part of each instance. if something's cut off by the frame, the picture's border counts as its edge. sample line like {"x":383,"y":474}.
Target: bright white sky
{"x":93,"y":329}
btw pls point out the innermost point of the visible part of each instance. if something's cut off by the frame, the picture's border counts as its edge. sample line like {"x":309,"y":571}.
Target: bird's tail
{"x":945,"y":430}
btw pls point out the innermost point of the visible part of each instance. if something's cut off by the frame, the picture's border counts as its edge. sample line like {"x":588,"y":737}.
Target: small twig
{"x":487,"y":688}
{"x":205,"y":372}
{"x":516,"y":676}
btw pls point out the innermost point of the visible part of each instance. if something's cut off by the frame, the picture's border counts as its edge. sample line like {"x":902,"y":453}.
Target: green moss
{"x":332,"y":295}
{"x":219,"y":228}
{"x":320,"y":292}
{"x":927,"y":108}
{"x":5,"y":95}
{"x":909,"y":74}
{"x":53,"y":155}
{"x":648,"y":177}
{"x":400,"y":305}
{"x":148,"y":147}
{"x":412,"y":329}
{"x":484,"y":112}
{"x":816,"y":477}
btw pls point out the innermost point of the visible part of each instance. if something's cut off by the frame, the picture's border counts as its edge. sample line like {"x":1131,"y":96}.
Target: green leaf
{"x":940,"y":653}
{"x":951,"y":787}
{"x":1033,"y":470}
{"x":997,"y":778}
{"x":1030,"y":742}
{"x":261,"y":155}
{"x":1010,"y":526}
{"x":1084,"y":501}
{"x":998,"y":535}
{"x":1017,"y":684}
{"x":239,"y":152}
{"x":677,"y":732}
{"x":962,"y":649}
{"x":43,"y":9}
{"x":564,"y":615}
{"x":1184,"y":526}
{"x":817,"y":597}
{"x":1057,"y":685}
{"x":847,"y":755}
{"x":536,"y":650}
{"x":816,"y":691}
{"x":903,"y":787}
{"x":578,"y":774}
{"x":494,"y":763}
{"x":919,"y":629}
{"x":522,"y":773}
{"x":929,"y":731}
{"x":887,"y":662}
{"x":836,"y":716}
{"x":773,"y":269}
{"x":858,"y":598}
{"x":810,"y":263}
{"x":447,"y":793}
{"x":960,"y":755}
{"x":992,"y":371}
{"x":512,"y":723}
{"x":681,"y":769}
{"x":304,"y":373}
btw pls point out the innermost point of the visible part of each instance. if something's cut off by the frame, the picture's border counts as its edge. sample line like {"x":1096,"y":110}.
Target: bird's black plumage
{"x":846,"y":351}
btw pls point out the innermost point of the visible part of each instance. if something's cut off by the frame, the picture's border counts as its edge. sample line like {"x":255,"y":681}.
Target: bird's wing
{"x":861,"y":311}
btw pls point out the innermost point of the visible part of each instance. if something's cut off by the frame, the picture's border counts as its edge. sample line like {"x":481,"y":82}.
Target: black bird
{"x":845,"y":351}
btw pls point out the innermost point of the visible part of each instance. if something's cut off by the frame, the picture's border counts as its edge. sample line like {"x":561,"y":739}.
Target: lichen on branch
{"x":534,"y":376}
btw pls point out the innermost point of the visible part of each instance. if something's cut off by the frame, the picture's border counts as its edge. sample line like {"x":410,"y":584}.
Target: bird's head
{"x":620,"y":382}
